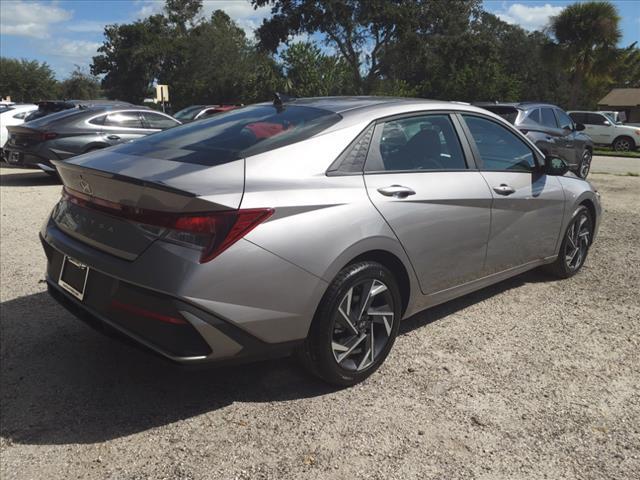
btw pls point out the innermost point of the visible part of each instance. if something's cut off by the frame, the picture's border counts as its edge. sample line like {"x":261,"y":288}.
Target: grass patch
{"x":610,"y":152}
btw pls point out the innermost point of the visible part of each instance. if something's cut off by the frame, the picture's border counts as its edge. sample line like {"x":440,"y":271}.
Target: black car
{"x":551,"y":129}
{"x":52,"y":106}
{"x":62,"y":135}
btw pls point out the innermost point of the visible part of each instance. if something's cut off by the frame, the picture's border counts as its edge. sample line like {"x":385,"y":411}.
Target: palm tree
{"x":587,"y":33}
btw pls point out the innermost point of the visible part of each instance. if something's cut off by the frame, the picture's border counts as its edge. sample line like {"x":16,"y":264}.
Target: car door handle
{"x":397,"y":191}
{"x":113,"y":137}
{"x":504,"y":189}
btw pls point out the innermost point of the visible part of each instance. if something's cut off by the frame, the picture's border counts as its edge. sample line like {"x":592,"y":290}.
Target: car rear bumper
{"x":24,"y":159}
{"x":113,"y":306}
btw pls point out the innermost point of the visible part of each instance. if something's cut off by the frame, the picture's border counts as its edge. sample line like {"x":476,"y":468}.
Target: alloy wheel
{"x":585,"y":165}
{"x":622,"y":145}
{"x":578,"y":240}
{"x":363,"y":325}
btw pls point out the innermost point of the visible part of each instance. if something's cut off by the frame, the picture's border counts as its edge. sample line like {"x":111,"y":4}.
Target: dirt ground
{"x":531,"y":378}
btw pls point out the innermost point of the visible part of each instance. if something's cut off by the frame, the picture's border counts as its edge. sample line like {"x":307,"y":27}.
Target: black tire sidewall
{"x":321,"y":334}
{"x":565,"y":271}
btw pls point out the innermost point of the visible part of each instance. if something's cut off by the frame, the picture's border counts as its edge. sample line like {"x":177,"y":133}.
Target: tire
{"x":624,"y":144}
{"x":585,"y":164}
{"x":575,"y":245}
{"x":338,"y":347}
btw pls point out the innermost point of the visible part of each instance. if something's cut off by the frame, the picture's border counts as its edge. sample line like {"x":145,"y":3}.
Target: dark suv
{"x":64,"y":134}
{"x":551,"y":129}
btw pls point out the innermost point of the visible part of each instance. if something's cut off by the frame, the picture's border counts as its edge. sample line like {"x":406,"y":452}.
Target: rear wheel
{"x":623,"y":144}
{"x":585,"y":164}
{"x":355,"y":326}
{"x":575,"y":245}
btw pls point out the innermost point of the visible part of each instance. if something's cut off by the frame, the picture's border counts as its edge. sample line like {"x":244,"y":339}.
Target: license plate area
{"x":73,"y":277}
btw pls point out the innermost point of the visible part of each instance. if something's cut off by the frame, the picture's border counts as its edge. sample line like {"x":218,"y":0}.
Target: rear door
{"x":528,"y":205}
{"x":438,"y":205}
{"x":119,"y":127}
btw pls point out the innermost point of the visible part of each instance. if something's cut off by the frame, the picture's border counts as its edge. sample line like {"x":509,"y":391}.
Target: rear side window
{"x":548,"y":119}
{"x":535,"y":115}
{"x":427,"y":142}
{"x":595,"y":119}
{"x":579,"y":117}
{"x":564,"y":120}
{"x":123,"y":120}
{"x":157,"y":121}
{"x":233,"y":135}
{"x":499,"y":148}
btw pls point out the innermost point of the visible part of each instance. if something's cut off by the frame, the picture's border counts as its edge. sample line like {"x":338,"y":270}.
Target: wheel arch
{"x":395,"y":265}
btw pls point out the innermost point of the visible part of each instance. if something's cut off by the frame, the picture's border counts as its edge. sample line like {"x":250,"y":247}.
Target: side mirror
{"x":579,"y":127}
{"x":555,"y":166}
{"x":607,"y":123}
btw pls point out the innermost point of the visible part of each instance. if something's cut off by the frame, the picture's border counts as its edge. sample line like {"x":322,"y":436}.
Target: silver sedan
{"x":310,"y":226}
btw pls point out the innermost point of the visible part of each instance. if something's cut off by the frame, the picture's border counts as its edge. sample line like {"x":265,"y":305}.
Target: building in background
{"x":625,"y":100}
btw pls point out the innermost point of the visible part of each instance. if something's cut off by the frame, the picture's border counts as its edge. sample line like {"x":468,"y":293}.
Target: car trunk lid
{"x":110,"y":195}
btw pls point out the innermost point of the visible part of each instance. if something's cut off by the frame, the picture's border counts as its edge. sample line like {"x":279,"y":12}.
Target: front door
{"x":528,"y":206}
{"x":418,"y":178}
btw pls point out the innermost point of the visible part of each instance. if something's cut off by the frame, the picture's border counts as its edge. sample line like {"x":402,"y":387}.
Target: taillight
{"x":210,"y":232}
{"x":48,"y":136}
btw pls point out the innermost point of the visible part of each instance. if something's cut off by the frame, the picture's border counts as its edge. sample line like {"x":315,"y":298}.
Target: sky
{"x":66,"y":33}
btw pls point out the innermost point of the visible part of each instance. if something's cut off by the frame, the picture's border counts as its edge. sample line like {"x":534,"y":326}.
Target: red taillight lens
{"x":211,"y":232}
{"x":48,"y":136}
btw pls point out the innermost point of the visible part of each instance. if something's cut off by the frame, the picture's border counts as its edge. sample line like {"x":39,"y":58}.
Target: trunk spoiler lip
{"x":66,"y":165}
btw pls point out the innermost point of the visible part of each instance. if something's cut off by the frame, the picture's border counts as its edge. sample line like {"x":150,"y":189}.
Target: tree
{"x":587,"y":34}
{"x":357,"y":29}
{"x":80,"y":86}
{"x":310,"y":73}
{"x":27,"y":81}
{"x":132,"y":56}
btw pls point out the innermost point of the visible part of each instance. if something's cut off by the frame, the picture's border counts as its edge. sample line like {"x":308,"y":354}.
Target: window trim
{"x":113,"y":127}
{"x":334,"y":168}
{"x":467,"y":154}
{"x":538,"y":159}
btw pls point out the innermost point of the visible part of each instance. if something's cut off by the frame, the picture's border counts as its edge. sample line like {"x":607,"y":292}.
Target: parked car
{"x":310,"y":226}
{"x":198,"y":112}
{"x":52,"y":106}
{"x":64,"y":134}
{"x":12,"y":115}
{"x":552,"y":131}
{"x":605,"y":131}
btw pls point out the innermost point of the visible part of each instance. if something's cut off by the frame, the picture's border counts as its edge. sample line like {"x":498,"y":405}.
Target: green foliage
{"x":26,"y":81}
{"x":310,"y":73}
{"x":587,"y":34}
{"x":132,"y":56}
{"x":80,"y":86}
{"x":439,"y":49}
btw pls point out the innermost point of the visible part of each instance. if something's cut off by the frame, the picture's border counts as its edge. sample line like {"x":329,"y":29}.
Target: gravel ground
{"x":531,"y":378}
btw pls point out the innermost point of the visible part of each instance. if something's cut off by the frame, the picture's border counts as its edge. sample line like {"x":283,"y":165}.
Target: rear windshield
{"x":233,"y":135}
{"x":52,"y":117}
{"x":510,"y":114}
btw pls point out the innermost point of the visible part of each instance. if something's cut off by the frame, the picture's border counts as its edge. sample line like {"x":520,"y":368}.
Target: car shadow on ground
{"x":35,"y":178}
{"x":63,"y":383}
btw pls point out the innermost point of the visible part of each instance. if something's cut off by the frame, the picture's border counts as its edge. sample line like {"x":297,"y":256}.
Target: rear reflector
{"x":211,"y":232}
{"x":48,"y":136}
{"x":142,"y":312}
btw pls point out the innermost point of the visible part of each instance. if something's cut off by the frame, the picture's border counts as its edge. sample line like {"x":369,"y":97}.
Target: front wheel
{"x":585,"y":164}
{"x":575,"y":244}
{"x":355,"y":325}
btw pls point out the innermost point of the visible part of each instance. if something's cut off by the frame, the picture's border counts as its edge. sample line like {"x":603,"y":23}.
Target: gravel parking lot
{"x":531,"y":378}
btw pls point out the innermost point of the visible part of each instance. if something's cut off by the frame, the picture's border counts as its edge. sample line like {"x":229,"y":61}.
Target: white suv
{"x":604,"y":131}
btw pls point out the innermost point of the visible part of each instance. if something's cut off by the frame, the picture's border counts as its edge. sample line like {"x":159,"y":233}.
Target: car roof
{"x":519,"y":105}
